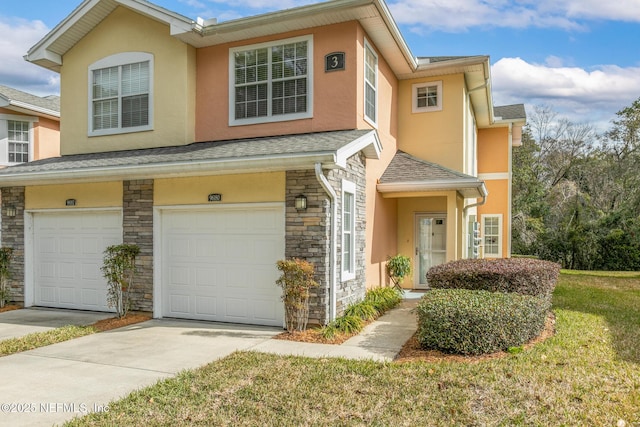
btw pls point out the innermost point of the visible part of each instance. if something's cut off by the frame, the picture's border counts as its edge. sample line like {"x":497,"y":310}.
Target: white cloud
{"x":581,"y":95}
{"x":18,"y":35}
{"x":461,"y":15}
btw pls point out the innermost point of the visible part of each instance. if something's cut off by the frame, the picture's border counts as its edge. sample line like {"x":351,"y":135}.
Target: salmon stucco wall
{"x":381,"y":213}
{"x":493,"y":150}
{"x":173,"y":84}
{"x":46,"y":139}
{"x":494,"y":169}
{"x":334,"y":95}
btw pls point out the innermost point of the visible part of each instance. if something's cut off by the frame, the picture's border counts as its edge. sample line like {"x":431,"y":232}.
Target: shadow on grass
{"x":615,"y":299}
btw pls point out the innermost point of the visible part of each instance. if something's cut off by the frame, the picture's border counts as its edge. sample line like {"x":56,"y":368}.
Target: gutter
{"x":333,"y":242}
{"x":165,"y":169}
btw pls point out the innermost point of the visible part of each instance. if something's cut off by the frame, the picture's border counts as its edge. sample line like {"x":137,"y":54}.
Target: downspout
{"x":473,"y":205}
{"x":333,"y":239}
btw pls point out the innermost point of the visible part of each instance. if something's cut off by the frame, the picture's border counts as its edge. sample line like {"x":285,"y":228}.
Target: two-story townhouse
{"x":220,"y":148}
{"x":29,"y":126}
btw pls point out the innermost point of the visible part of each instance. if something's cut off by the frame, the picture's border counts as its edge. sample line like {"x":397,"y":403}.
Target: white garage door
{"x":219,"y":264}
{"x":68,"y":252}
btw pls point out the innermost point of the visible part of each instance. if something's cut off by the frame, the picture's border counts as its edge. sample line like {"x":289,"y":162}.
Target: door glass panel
{"x":431,"y":246}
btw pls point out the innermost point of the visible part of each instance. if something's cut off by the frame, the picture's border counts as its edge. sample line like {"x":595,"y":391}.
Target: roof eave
{"x":467,"y":188}
{"x":369,"y":144}
{"x":40,"y":54}
{"x":24,"y":107}
{"x":173,"y":169}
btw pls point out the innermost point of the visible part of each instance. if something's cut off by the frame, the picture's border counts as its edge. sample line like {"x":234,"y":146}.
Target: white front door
{"x":431,"y":246}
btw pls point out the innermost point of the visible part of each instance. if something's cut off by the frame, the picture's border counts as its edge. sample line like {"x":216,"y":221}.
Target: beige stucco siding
{"x":246,"y":188}
{"x":173,"y":89}
{"x":436,"y":136}
{"x":95,"y":195}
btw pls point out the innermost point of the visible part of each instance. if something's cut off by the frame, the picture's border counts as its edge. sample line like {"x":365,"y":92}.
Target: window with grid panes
{"x":271,"y":81}
{"x":18,"y":138}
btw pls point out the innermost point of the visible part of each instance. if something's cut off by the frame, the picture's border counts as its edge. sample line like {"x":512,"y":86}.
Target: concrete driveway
{"x":17,"y":323}
{"x":55,"y":383}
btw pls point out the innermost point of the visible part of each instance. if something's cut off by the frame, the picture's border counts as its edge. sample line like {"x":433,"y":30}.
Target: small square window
{"x":427,"y":97}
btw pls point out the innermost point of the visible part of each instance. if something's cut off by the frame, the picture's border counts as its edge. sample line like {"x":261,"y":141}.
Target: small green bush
{"x":520,"y":275}
{"x":398,"y":267}
{"x":383,"y":299}
{"x":296,"y":282}
{"x":470,"y":322}
{"x":343,"y":324}
{"x":364,"y":310}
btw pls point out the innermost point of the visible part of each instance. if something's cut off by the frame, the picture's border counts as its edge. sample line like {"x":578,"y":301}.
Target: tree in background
{"x":576,"y":194}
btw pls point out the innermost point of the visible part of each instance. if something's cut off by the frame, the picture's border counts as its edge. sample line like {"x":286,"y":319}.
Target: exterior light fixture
{"x":11,"y":211}
{"x":301,"y":202}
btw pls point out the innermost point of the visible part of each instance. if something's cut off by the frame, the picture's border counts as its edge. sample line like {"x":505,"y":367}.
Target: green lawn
{"x":587,"y":374}
{"x":41,"y":339}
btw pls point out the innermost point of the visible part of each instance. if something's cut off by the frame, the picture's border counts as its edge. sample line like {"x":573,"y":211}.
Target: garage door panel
{"x":230,"y":254}
{"x":179,"y":304}
{"x":206,"y":306}
{"x":68,"y":253}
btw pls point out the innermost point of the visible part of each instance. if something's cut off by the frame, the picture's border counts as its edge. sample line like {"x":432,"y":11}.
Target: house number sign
{"x":334,"y":61}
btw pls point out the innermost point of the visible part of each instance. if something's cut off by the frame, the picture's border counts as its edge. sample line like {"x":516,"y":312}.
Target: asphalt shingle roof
{"x":51,"y":102}
{"x":272,"y":146}
{"x":510,"y":112}
{"x":407,"y":168}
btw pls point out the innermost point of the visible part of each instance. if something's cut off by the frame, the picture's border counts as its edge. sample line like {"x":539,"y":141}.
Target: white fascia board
{"x":462,"y":186}
{"x":30,"y":109}
{"x":368,"y":143}
{"x":173,"y":169}
{"x":39,"y":52}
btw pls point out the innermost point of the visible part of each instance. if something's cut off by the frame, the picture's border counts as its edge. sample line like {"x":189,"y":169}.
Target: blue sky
{"x":580,"y":57}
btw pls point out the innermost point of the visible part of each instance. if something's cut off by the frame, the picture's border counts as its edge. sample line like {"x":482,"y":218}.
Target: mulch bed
{"x":9,"y":308}
{"x":115,"y":322}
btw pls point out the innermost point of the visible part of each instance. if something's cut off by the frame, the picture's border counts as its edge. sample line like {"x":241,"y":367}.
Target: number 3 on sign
{"x":334,"y":61}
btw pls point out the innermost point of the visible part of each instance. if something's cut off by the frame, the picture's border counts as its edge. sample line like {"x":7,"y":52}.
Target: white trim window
{"x":426,"y":97}
{"x":370,"y":84}
{"x":271,"y":82}
{"x":18,"y":139}
{"x":348,"y":230}
{"x":120,"y":94}
{"x":492,"y":235}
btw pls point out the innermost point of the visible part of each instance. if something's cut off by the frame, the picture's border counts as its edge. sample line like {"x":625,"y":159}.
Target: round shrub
{"x":469,"y":322}
{"x":521,"y":275}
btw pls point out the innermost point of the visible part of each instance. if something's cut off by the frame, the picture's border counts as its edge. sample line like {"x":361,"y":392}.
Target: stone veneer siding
{"x":137,"y":228}
{"x":308,"y":234}
{"x":13,"y":237}
{"x":351,"y":291}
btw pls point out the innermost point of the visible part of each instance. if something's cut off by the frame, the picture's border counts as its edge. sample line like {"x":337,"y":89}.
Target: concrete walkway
{"x":53,"y":384}
{"x":381,"y":340}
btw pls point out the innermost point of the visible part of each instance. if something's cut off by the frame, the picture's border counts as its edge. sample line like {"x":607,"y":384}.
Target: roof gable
{"x":407,"y":173}
{"x":49,"y":51}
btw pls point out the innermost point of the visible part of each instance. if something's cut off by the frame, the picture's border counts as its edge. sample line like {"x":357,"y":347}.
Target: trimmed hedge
{"x":472,"y":322}
{"x":520,"y":275}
